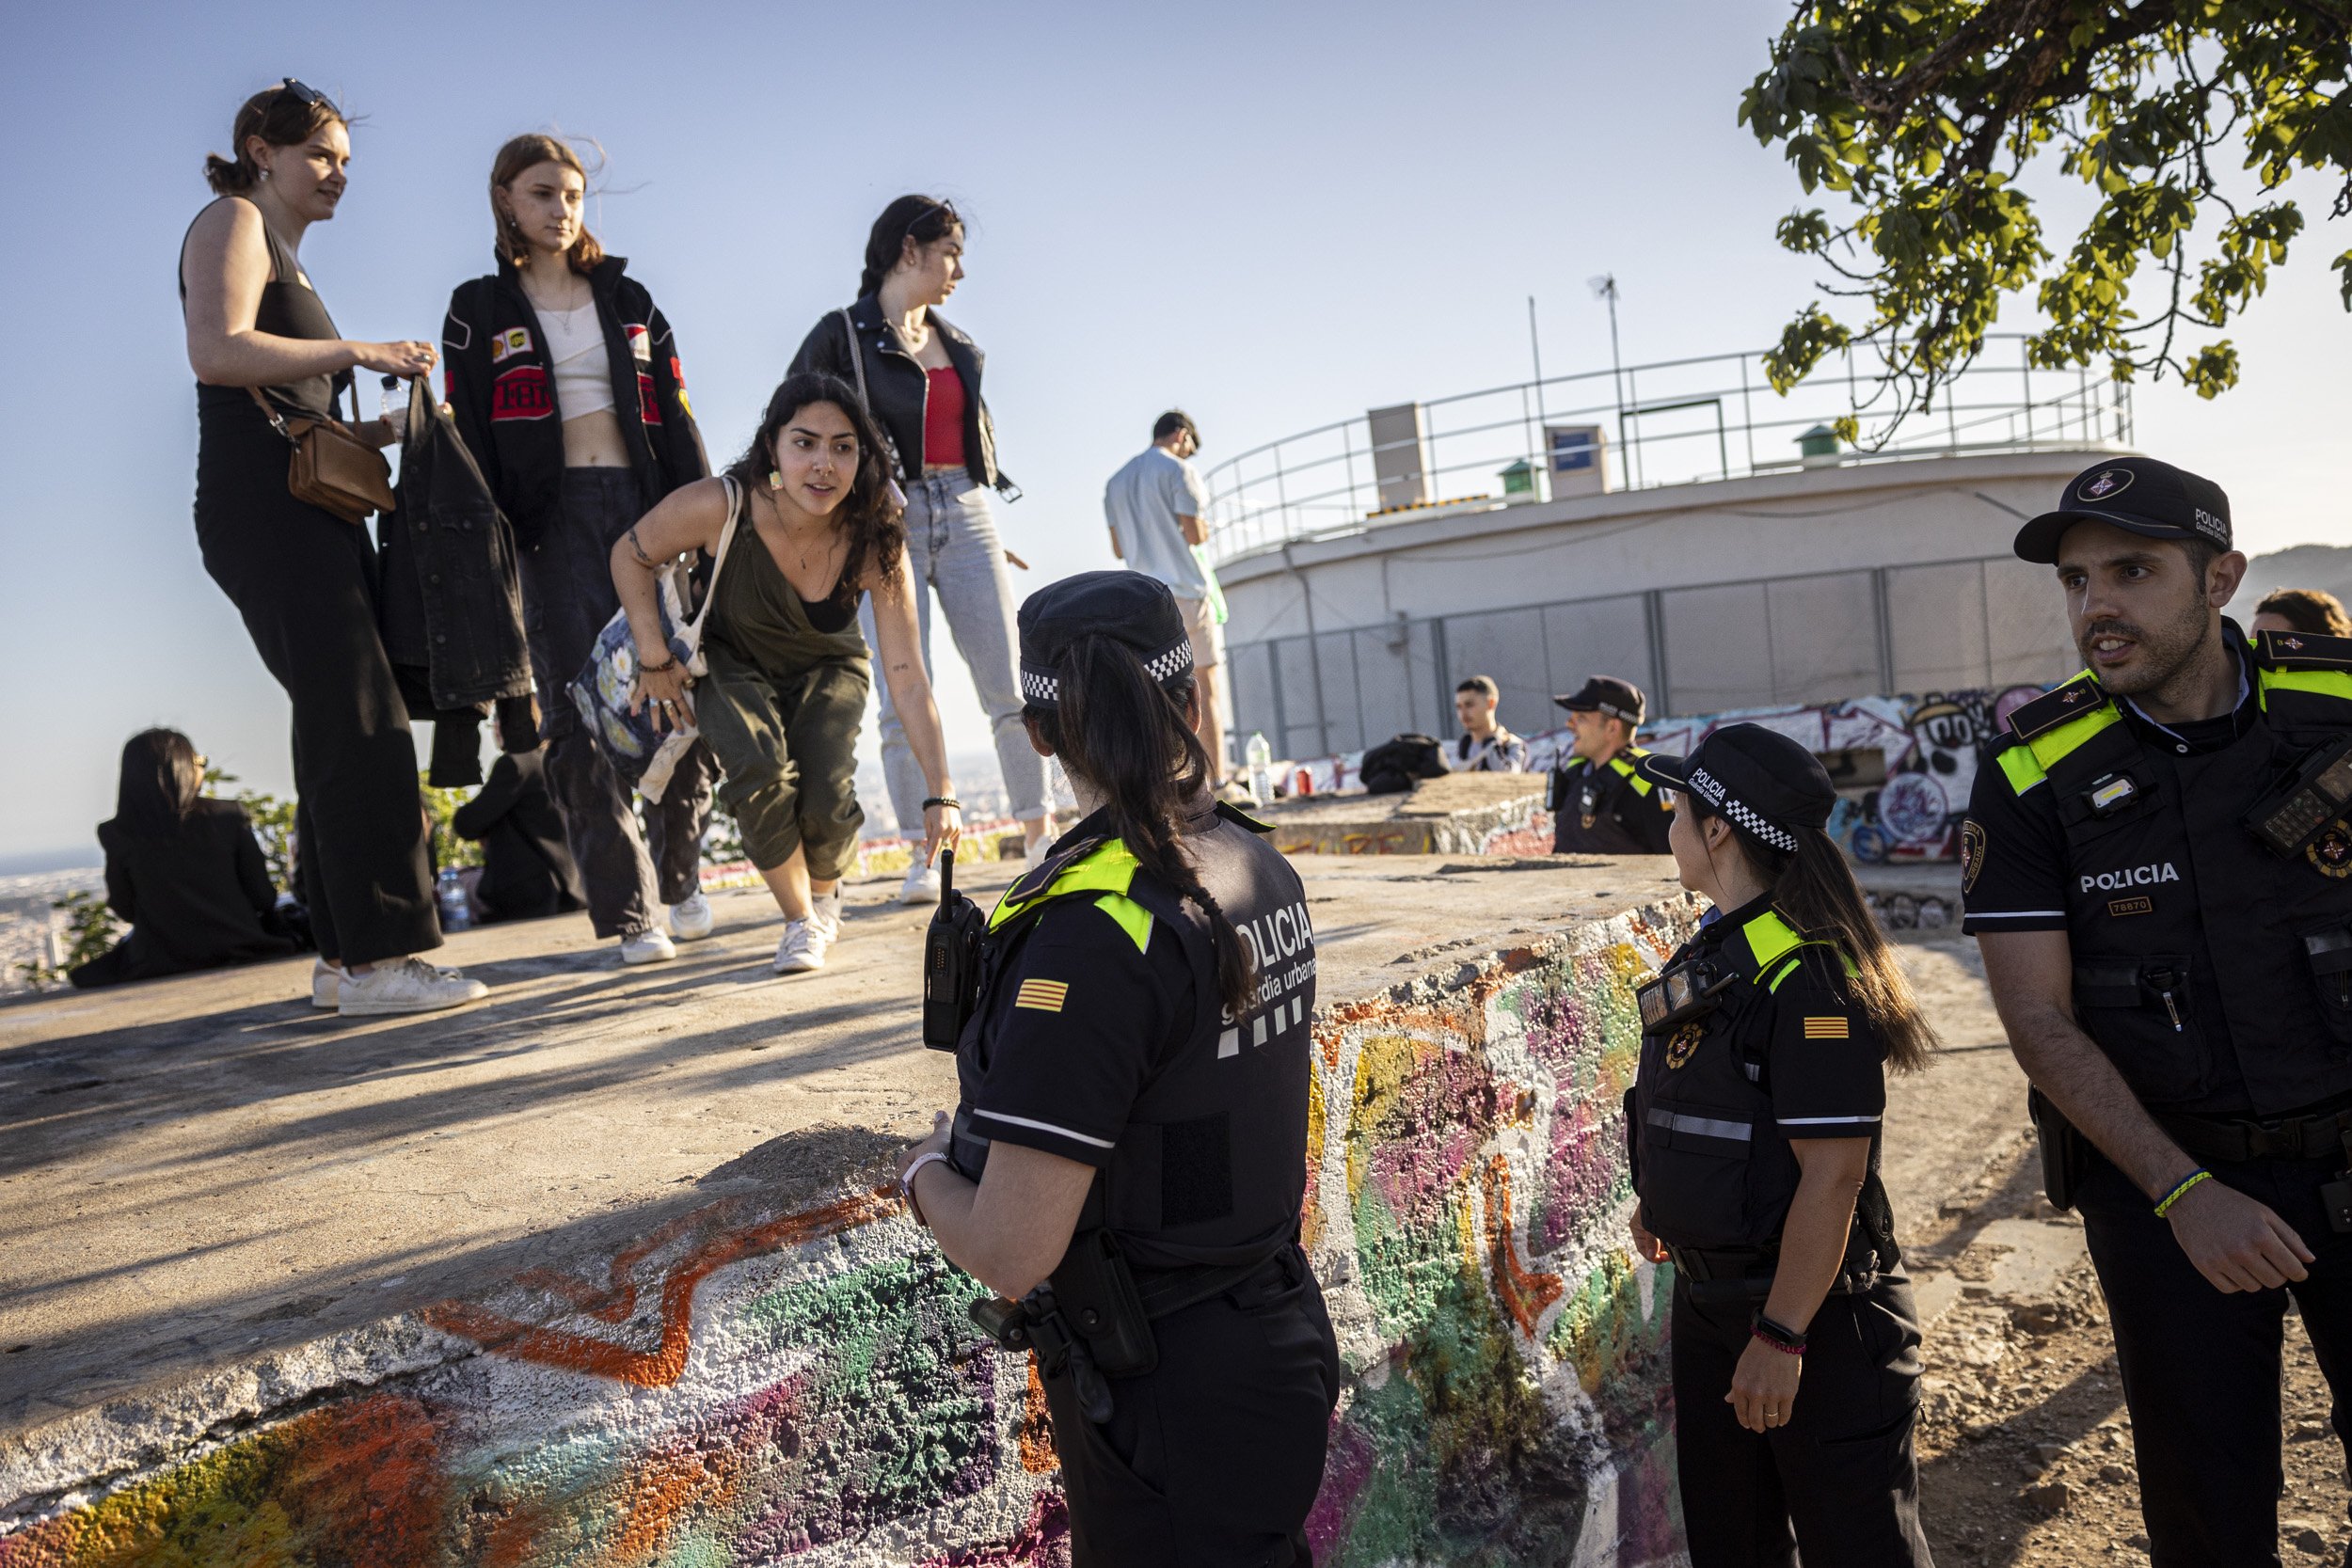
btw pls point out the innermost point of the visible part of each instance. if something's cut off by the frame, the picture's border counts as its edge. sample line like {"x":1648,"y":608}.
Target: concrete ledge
{"x":764,"y":1358}
{"x":1462,"y":814}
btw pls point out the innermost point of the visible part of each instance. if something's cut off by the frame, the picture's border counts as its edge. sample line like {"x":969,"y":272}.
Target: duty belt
{"x":1745,"y":1274}
{"x":2320,"y":1136}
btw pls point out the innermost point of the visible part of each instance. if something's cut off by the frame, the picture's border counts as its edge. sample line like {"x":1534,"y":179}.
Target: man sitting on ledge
{"x":1483,"y":746}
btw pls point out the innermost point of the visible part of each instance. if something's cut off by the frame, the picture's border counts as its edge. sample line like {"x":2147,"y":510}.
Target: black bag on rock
{"x":1392,"y":767}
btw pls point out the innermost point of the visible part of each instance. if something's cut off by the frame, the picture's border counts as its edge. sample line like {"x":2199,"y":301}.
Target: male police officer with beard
{"x":1600,"y":804}
{"x":2158,"y":867}
{"x":1128,"y":1161}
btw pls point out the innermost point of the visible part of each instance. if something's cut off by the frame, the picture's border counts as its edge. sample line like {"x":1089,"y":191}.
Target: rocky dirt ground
{"x":2025,"y":1447}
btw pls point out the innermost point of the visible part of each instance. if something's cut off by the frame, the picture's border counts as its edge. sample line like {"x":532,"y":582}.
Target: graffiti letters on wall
{"x":743,"y":1385}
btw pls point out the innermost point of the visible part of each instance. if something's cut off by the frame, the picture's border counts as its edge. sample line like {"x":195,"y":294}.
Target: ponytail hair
{"x":1127,"y":736}
{"x":920,"y":218}
{"x":1814,"y":889}
{"x":161,"y":779}
{"x":281,"y":117}
{"x":526,"y":152}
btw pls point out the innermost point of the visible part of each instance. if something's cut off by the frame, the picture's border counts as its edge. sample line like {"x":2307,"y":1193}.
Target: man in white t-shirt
{"x":1483,"y":746}
{"x":1157,"y":508}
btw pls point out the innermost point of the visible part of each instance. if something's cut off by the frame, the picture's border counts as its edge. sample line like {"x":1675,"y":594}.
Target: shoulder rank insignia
{"x":2046,"y":712}
{"x":2302,"y":650}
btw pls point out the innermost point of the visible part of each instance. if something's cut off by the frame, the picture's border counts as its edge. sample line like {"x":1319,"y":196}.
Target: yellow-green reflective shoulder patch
{"x":1132,"y":918}
{"x":2019,"y":767}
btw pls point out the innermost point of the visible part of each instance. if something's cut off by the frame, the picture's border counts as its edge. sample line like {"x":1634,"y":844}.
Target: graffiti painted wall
{"x":753,"y":1383}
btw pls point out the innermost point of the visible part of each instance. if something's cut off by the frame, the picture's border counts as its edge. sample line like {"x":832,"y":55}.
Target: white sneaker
{"x":327,"y":984}
{"x":826,"y":911}
{"x":922,"y":884}
{"x":648,"y":947}
{"x":690,"y":919}
{"x":804,"y":946}
{"x":410,"y":986}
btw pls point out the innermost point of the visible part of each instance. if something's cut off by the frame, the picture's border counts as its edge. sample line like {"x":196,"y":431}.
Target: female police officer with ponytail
{"x":1127,"y":1163}
{"x":1754,"y":1130}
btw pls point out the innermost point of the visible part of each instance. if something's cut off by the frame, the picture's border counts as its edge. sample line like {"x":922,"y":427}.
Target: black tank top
{"x":289,"y":308}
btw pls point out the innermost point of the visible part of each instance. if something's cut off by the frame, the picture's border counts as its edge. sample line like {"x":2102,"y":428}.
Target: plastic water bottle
{"x":450,"y":891}
{"x":392,"y":402}
{"x":1261,"y":758}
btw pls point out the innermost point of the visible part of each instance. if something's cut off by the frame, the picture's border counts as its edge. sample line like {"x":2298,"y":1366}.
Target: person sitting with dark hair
{"x":1483,"y":746}
{"x":183,"y":870}
{"x":527,"y":867}
{"x":2313,"y":611}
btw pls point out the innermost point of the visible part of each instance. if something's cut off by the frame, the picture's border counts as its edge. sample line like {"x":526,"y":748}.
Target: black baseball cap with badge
{"x":1761,"y":781}
{"x":1606,"y":694}
{"x":2140,"y":495}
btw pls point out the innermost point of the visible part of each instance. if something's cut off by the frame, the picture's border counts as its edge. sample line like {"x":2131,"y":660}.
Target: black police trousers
{"x":2200,"y":1366}
{"x":1841,"y":1472}
{"x":1213,"y":1459}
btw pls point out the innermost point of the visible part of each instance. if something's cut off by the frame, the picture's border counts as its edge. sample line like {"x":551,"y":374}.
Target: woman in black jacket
{"x":564,"y":381}
{"x":183,"y":871}
{"x":921,"y":379}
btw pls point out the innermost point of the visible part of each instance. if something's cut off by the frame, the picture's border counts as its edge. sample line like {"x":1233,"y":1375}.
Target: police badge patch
{"x":1971,"y":856}
{"x":1685,"y":1043}
{"x":2331,"y":851}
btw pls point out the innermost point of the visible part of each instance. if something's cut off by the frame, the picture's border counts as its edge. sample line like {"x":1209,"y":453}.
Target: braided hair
{"x":1127,"y":735}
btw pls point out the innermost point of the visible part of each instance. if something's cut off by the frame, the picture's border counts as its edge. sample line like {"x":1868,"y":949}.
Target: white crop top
{"x":583,"y":367}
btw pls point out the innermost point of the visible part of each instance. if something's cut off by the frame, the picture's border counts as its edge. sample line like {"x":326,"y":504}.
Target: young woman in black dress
{"x":302,"y":578}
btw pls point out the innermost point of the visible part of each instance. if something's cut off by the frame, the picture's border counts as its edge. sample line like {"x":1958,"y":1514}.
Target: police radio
{"x":2290,"y":816}
{"x":951,"y":962}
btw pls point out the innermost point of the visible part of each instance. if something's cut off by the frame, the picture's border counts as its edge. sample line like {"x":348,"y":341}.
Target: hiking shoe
{"x":410,"y":986}
{"x":327,"y":984}
{"x":690,"y":919}
{"x":922,"y":883}
{"x":648,"y":947}
{"x":802,"y":948}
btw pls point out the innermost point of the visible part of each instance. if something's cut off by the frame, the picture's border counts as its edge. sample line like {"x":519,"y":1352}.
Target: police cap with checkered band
{"x":1760,"y":781}
{"x":2139,"y":495}
{"x":1134,"y":608}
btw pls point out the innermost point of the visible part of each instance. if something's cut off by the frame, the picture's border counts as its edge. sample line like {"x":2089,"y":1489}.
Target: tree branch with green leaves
{"x":1925,"y":114}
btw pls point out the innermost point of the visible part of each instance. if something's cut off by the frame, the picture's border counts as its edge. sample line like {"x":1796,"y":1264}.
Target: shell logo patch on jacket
{"x":1044,"y":996}
{"x":1833,"y":1028}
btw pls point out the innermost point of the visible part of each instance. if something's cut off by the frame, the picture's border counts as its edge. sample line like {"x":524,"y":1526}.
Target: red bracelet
{"x":1763,"y":1339}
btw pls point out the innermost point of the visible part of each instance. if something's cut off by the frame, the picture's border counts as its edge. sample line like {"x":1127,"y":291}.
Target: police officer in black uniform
{"x":2158,"y":868}
{"x":1127,"y":1163}
{"x":1754,"y":1125}
{"x":1599,"y":803}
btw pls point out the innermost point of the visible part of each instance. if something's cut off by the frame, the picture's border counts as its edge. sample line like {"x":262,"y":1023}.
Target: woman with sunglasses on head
{"x":816,"y":530}
{"x":1753,"y":1127}
{"x":566,"y":382}
{"x":266,"y":353}
{"x":920,"y":378}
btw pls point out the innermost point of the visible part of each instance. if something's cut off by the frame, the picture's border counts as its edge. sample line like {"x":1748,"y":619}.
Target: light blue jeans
{"x":957,"y":559}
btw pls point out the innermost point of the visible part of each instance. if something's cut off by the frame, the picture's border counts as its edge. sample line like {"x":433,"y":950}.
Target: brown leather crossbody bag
{"x":331,"y":467}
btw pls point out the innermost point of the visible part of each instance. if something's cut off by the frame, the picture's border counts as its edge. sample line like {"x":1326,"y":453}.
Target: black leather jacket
{"x":897,"y":387}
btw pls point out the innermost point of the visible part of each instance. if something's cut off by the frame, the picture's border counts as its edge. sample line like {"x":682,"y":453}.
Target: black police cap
{"x":1606,"y":694}
{"x":1760,"y":781}
{"x":2140,"y":495}
{"x":1134,"y":608}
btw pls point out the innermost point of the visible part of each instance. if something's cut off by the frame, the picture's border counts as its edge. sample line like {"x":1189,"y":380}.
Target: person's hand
{"x":2236,"y":1242}
{"x":1764,"y":1386}
{"x":1649,"y":1248}
{"x":942,"y":826}
{"x":942,"y":1126}
{"x":409,"y":356}
{"x":665,"y":692}
{"x":1016,"y":561}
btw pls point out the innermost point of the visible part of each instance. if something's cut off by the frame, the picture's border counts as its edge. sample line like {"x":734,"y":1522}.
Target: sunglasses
{"x":307,"y":96}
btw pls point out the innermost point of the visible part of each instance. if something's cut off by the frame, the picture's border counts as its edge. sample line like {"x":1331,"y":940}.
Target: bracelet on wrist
{"x":1785,"y":1340}
{"x":947,"y":800}
{"x":905,"y":1183}
{"x":661,"y":669}
{"x":2181,"y":1189}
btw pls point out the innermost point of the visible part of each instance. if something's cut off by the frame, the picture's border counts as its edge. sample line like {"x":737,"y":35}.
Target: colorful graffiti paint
{"x":746,"y":1385}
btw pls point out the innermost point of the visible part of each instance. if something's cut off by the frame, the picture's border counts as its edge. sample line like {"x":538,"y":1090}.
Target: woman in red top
{"x":921,"y":380}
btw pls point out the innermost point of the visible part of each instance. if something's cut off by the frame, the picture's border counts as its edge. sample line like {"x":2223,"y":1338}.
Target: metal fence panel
{"x":2025,"y":624}
{"x":1825,"y":637}
{"x":1718,"y":648}
{"x":1599,"y":637}
{"x":1936,"y":623}
{"x":1508,"y":645}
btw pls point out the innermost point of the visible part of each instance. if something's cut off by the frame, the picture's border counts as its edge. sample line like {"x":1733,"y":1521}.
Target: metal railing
{"x":1675,"y":421}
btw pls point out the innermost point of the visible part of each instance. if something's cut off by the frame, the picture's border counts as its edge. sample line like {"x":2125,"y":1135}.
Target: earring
{"x":266,"y":174}
{"x":775,"y":478}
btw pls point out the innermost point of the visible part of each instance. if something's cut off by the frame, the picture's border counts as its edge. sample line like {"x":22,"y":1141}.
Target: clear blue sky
{"x":1272,"y":215}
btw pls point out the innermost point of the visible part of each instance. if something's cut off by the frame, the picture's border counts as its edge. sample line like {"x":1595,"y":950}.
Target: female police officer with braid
{"x":1127,"y":1163}
{"x":1755,"y":1124}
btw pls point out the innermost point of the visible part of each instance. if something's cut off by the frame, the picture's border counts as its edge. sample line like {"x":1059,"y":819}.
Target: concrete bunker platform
{"x":605,"y":1268}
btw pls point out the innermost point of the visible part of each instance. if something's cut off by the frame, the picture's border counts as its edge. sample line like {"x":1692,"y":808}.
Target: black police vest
{"x":2183,"y":924}
{"x":1710,"y":1164}
{"x":1588,"y":806}
{"x":1211,"y":1167}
